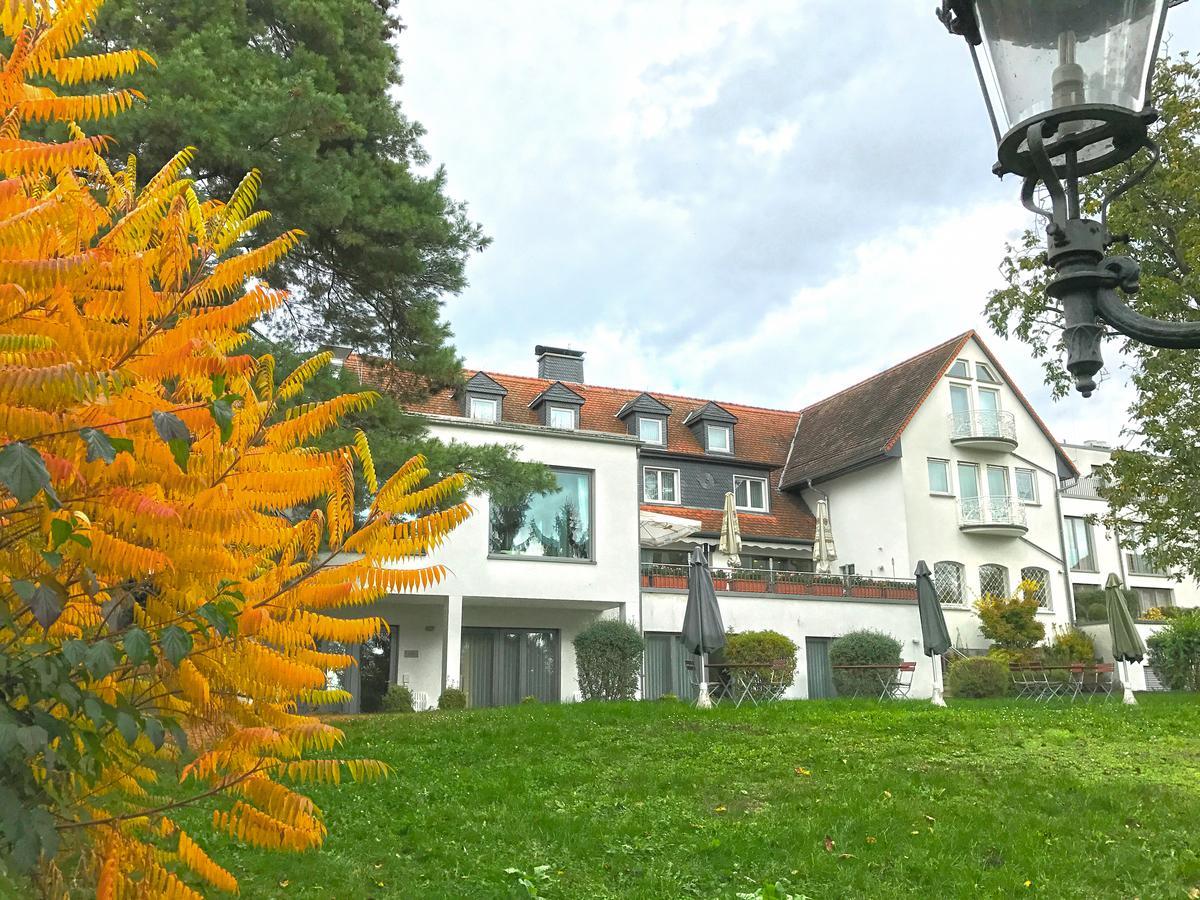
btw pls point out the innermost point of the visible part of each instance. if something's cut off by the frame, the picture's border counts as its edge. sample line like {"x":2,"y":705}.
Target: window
{"x":993,"y":579}
{"x":750,"y":493}
{"x":939,"y":476}
{"x":1040,"y":579}
{"x":650,"y":430}
{"x":960,"y":369}
{"x":484,"y":409}
{"x":948,"y":581}
{"x":1139,"y":565}
{"x":847,"y":569}
{"x":556,"y":525}
{"x":719,"y":438}
{"x":983,"y":372}
{"x":562,"y":417}
{"x":659,"y":557}
{"x":1027,"y":485}
{"x":778,"y":563}
{"x":660,"y":485}
{"x":1150,"y":597}
{"x":1081,"y":551}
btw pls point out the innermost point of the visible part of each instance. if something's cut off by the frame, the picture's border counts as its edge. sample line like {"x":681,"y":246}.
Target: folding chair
{"x":1105,"y":679}
{"x":898,"y":683}
{"x":1022,"y":680}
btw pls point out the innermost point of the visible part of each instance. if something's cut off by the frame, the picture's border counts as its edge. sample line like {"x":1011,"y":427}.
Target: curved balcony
{"x":1001,"y":516}
{"x":984,"y":430}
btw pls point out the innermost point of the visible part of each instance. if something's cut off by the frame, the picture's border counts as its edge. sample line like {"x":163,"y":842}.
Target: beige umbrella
{"x":731,"y":532}
{"x":824,"y":551}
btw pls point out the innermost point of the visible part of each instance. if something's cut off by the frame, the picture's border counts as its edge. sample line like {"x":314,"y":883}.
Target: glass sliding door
{"x":997,"y":483}
{"x":968,"y":492}
{"x":502,"y":666}
{"x":667,"y":669}
{"x":960,"y":406}
{"x":989,"y":412}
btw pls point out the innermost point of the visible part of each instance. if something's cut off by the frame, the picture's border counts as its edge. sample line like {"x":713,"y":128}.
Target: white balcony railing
{"x":983,"y":425}
{"x":982,"y":512}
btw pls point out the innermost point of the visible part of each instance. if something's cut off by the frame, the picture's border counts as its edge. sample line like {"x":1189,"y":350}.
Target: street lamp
{"x":1067,"y":87}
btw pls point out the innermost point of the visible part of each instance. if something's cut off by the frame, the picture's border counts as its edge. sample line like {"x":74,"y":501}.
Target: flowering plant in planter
{"x":753,"y":581}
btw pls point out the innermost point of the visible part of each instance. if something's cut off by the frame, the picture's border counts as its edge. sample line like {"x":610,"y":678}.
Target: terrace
{"x":673,"y":578}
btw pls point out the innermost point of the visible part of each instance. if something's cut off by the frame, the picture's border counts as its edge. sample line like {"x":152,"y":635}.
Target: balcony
{"x":794,"y":584}
{"x":1001,"y":516}
{"x":984,"y":430}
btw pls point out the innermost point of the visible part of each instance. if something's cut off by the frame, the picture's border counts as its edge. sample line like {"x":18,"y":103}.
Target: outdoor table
{"x":895,"y":679}
{"x":1035,"y":681}
{"x":747,"y":682}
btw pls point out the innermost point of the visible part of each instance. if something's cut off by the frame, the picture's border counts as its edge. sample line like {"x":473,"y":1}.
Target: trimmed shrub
{"x":452,"y":698}
{"x":1073,"y":645}
{"x":1090,"y":605}
{"x":1011,"y":622}
{"x":1175,"y":653}
{"x":398,"y":698}
{"x":978,"y":677}
{"x":861,"y":648}
{"x":762,"y":648}
{"x":608,"y":658}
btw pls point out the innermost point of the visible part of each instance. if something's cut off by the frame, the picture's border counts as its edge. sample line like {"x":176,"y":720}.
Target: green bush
{"x":1073,"y":645}
{"x":452,"y":698}
{"x":1011,"y":622}
{"x":398,"y":698}
{"x":1091,"y":605}
{"x":608,"y":658}
{"x":775,"y":653}
{"x":861,"y":648}
{"x":1175,"y":653}
{"x":977,"y":676}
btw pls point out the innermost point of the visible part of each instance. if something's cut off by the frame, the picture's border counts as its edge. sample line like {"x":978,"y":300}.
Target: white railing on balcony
{"x":979,"y":511}
{"x":983,"y":424}
{"x":1086,"y":487}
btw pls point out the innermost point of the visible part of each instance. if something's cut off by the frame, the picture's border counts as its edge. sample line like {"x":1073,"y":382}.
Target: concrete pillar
{"x":452,"y":654}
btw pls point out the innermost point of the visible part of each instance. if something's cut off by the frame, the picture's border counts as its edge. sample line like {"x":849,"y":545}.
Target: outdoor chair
{"x":1100,"y":681}
{"x":897,"y":685}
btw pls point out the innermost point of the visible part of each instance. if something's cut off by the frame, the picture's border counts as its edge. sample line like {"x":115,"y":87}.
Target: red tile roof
{"x":791,"y":520}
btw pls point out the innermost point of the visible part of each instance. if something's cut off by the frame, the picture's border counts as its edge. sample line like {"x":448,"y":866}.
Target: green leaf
{"x":176,"y":643}
{"x":172,"y":429}
{"x":24,"y":473}
{"x":177,"y":734}
{"x":95,"y":711}
{"x":32,"y":738}
{"x":101,"y":446}
{"x":24,"y":589}
{"x":137,"y":645}
{"x":48,"y":601}
{"x":60,"y":530}
{"x":218,"y":384}
{"x":101,"y":659}
{"x":74,"y":651}
{"x":221,"y":615}
{"x":222,"y":413}
{"x":53,"y":558}
{"x":127,"y":725}
{"x":154,"y":731}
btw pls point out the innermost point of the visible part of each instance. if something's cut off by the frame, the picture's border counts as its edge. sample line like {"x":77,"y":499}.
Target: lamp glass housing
{"x":1042,"y":56}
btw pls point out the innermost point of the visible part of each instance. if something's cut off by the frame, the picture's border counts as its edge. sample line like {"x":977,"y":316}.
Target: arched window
{"x":993,"y":579}
{"x":1040,"y":578}
{"x":948,"y":580}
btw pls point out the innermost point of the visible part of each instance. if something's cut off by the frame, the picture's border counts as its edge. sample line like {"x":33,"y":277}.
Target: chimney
{"x":559,"y":364}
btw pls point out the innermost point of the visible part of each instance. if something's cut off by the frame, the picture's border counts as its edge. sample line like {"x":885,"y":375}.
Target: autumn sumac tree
{"x":177,"y":568}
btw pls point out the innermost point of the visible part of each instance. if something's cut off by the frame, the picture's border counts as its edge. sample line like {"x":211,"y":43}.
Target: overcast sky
{"x":759,"y":202}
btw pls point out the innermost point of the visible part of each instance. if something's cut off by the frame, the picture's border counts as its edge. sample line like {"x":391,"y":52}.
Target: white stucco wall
{"x":867,"y":513}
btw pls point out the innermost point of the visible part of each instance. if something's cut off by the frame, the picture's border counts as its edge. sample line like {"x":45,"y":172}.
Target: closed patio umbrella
{"x":934,"y":634}
{"x":1126,"y":642}
{"x":731,"y":532}
{"x":824,"y":551}
{"x":703,"y":630}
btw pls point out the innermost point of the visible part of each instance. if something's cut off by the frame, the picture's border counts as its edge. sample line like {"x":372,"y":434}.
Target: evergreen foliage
{"x":608,"y":657}
{"x":977,"y":677}
{"x":767,"y":649}
{"x":1175,"y":653}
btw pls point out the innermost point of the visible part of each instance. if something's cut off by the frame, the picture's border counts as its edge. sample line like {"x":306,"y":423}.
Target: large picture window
{"x":1081,"y":550}
{"x":556,"y":525}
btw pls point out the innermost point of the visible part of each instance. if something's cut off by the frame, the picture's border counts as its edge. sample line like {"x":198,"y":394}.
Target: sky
{"x":760,"y":202}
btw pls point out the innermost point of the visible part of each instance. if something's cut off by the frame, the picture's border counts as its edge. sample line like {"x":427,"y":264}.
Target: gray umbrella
{"x":1127,"y":644}
{"x":703,"y":630}
{"x":934,"y":634}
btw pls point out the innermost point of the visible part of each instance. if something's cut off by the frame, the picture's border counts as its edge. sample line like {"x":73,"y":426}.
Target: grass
{"x":829,"y":799}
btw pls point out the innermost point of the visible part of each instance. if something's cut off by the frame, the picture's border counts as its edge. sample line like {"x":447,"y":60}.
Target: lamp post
{"x":1067,"y":88}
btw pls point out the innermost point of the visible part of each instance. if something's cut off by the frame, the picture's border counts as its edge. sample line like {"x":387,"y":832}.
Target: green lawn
{"x":831,"y":799}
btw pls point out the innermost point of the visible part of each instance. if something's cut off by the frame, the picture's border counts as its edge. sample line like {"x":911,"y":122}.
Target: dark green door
{"x":502,"y":666}
{"x":820,"y":674}
{"x":666,"y":667}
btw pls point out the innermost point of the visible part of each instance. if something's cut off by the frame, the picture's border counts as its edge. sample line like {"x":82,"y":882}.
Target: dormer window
{"x":561,"y":417}
{"x":484,"y":409}
{"x":651,"y":430}
{"x":960,"y":369}
{"x":718,"y":438}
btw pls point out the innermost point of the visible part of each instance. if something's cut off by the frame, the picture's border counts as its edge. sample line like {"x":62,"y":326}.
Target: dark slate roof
{"x":712,"y":413}
{"x":644,"y":403}
{"x":482,"y":383}
{"x":863,"y":423}
{"x":559,"y":393}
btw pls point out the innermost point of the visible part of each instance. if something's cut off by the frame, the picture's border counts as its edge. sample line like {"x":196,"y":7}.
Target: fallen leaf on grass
{"x":829,"y":845}
{"x":719,"y":809}
{"x":887,"y":795}
{"x":800,"y":770}
{"x":870,"y":840}
{"x":930,"y":819}
{"x":847,"y":856}
{"x":284,"y":883}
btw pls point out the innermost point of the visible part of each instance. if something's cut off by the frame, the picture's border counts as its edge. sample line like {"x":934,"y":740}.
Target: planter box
{"x":827,"y":590}
{"x":901,"y":593}
{"x":859,"y":590}
{"x":749,"y":586}
{"x":793,"y":587}
{"x":645,"y":581}
{"x":670,"y":581}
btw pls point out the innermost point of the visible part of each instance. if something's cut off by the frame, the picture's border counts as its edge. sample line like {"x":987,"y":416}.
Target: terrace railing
{"x":983,"y":424}
{"x":763,"y":581}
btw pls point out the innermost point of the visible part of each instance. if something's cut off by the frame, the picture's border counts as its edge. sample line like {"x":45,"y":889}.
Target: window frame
{"x":945,"y":463}
{"x":569,"y":410}
{"x":590,"y":559}
{"x":472,"y":399}
{"x":660,"y":471}
{"x":1044,"y":599}
{"x":709,"y":428}
{"x":1007,"y":580}
{"x":961,"y":572}
{"x":1033,"y":480}
{"x":1135,"y":563}
{"x":966,"y":364}
{"x":662,"y":430}
{"x":1156,"y":590}
{"x":992,"y":377}
{"x":766,"y":493}
{"x":1069,"y":539}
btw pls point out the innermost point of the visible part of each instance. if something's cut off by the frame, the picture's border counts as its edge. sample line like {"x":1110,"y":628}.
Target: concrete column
{"x":452,"y":654}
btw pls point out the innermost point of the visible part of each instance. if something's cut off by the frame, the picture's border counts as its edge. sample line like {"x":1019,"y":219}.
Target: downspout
{"x":1062,"y":547}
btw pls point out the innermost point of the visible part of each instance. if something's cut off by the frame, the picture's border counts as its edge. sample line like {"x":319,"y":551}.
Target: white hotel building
{"x":938,"y":458}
